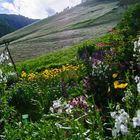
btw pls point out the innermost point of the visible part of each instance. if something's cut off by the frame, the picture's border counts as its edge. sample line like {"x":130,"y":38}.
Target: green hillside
{"x":88,"y":20}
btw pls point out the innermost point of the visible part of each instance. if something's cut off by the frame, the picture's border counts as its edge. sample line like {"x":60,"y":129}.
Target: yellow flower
{"x":115,"y":75}
{"x":109,"y":89}
{"x":116,"y":83}
{"x":31,"y":76}
{"x":121,"y":86}
{"x":23,"y":74}
{"x":48,"y":74}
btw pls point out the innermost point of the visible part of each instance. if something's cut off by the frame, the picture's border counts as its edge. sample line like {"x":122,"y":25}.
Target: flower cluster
{"x":128,"y":96}
{"x":137,"y":46}
{"x":59,"y":107}
{"x":100,"y":69}
{"x":23,"y":74}
{"x":121,"y":121}
{"x":3,"y":60}
{"x":31,"y":76}
{"x":3,"y":57}
{"x":79,"y":102}
{"x":47,"y":74}
{"x":137,"y":50}
{"x":2,"y":77}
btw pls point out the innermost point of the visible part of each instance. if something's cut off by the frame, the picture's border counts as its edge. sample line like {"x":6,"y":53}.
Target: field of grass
{"x":58,"y":58}
{"x":65,"y":29}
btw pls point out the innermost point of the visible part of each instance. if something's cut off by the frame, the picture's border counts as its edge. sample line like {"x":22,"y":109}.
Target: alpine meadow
{"x":74,"y":75}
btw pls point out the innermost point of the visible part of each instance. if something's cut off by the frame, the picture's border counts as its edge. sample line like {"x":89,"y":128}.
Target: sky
{"x":36,"y":9}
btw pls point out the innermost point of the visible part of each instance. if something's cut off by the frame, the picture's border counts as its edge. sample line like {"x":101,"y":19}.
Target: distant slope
{"x":88,"y":20}
{"x":10,"y":23}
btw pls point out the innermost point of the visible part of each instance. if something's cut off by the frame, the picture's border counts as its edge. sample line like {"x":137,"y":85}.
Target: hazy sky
{"x":35,"y":8}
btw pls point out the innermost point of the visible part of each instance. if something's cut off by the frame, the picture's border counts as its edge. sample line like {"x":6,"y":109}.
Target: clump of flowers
{"x":137,"y":51}
{"x":50,"y":73}
{"x":5,"y":72}
{"x":2,"y":77}
{"x":128,"y":96}
{"x":60,"y":107}
{"x":100,"y":69}
{"x":23,"y":74}
{"x":31,"y":76}
{"x":121,"y":122}
{"x":3,"y":57}
{"x":79,"y":102}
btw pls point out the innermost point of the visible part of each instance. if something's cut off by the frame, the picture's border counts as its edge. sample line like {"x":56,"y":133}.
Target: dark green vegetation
{"x":101,"y":82}
{"x":10,"y":23}
{"x":85,"y":21}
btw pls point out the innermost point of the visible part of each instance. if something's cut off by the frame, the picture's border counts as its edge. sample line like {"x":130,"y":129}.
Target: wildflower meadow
{"x":96,"y":97}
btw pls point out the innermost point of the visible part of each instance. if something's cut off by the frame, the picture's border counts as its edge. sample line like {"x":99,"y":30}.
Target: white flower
{"x":69,"y":109}
{"x":139,"y":42}
{"x":1,"y":73}
{"x":137,"y":79}
{"x":124,"y":129}
{"x":9,"y":64}
{"x":56,"y":104}
{"x":136,"y":122}
{"x":135,"y":46}
{"x":51,"y":109}
{"x":121,"y":121}
{"x":138,"y":114}
{"x":123,"y":99}
{"x":121,"y":111}
{"x":138,"y":87}
{"x":114,"y":132}
{"x":59,"y":111}
{"x":117,"y":125}
{"x":113,"y":115}
{"x":117,"y":107}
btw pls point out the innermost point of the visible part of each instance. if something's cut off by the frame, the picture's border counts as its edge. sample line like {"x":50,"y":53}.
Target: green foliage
{"x":51,"y":60}
{"x":130,"y":23}
{"x":34,"y":98}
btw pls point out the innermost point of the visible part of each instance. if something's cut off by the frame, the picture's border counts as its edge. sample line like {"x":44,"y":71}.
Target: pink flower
{"x":79,"y":102}
{"x":74,"y":102}
{"x":100,"y":44}
{"x":85,"y":105}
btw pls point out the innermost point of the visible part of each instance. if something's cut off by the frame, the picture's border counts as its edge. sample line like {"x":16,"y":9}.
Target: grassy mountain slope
{"x":87,"y":20}
{"x":10,"y":23}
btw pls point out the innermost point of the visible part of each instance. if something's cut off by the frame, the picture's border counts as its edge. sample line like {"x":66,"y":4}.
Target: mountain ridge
{"x":10,"y":23}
